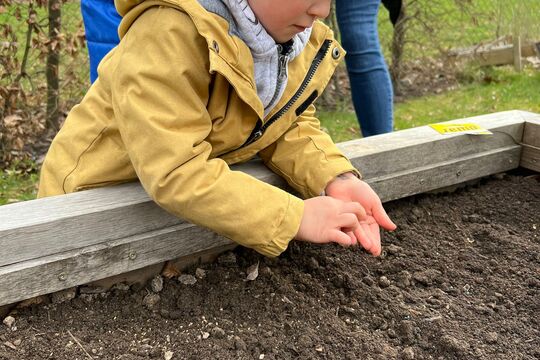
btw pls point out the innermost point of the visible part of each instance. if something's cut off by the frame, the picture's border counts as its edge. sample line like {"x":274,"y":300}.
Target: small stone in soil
{"x":453,"y":344}
{"x":156,"y":284}
{"x":394,"y":249}
{"x":239,"y":344}
{"x":426,"y":277}
{"x":492,"y":337}
{"x":200,"y":273}
{"x":187,"y":279}
{"x":9,"y":321}
{"x":407,"y":354}
{"x":384,"y":282}
{"x":404,"y":278}
{"x":151,"y":300}
{"x":304,"y":341}
{"x":218,"y":332}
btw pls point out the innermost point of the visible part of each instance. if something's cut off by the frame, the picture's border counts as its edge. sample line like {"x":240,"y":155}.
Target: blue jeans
{"x":371,"y":87}
{"x":101,"y":28}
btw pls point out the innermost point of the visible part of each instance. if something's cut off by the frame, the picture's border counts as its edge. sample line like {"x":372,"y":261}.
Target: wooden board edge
{"x":530,"y":157}
{"x":61,"y":271}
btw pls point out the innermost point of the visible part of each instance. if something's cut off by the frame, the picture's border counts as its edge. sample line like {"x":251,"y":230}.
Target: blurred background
{"x":449,"y":59}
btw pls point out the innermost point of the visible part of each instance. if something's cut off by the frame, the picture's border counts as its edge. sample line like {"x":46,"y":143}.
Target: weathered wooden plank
{"x":76,"y":220}
{"x":60,"y":271}
{"x":82,"y":219}
{"x":447,"y":173}
{"x":506,"y":54}
{"x":389,"y":154}
{"x":82,"y":227}
{"x":530,"y":157}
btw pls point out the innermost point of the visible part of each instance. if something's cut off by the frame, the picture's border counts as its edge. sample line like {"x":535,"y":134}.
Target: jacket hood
{"x":124,"y":6}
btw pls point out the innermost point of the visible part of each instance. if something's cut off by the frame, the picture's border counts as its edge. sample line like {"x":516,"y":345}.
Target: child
{"x":195,"y":86}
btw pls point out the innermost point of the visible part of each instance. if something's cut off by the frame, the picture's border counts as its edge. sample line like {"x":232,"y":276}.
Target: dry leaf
{"x":12,"y":120}
{"x":253,"y":272}
{"x":170,"y":271}
{"x":10,"y":345}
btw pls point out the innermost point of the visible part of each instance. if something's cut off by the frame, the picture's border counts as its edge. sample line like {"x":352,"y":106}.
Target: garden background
{"x":44,"y":71}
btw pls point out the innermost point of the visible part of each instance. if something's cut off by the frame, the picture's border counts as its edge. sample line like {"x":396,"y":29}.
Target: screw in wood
{"x":132,"y":255}
{"x":62,"y":277}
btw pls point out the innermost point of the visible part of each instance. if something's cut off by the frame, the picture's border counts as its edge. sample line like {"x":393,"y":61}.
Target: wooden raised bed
{"x":59,"y":242}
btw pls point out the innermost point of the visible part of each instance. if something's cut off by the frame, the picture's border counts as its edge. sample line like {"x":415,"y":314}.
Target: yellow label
{"x":463,"y":128}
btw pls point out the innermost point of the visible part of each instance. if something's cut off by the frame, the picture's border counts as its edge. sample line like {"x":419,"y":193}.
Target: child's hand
{"x":348,"y":187}
{"x":327,"y":220}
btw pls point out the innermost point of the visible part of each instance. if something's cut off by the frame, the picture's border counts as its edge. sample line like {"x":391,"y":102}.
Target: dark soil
{"x":459,"y":279}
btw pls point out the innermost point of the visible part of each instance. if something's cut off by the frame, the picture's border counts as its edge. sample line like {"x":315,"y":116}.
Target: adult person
{"x":371,"y":86}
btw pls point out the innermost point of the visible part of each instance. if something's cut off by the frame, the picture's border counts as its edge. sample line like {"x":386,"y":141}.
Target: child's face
{"x":283,"y":19}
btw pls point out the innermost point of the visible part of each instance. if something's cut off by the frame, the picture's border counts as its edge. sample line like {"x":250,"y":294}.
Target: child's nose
{"x":320,"y":9}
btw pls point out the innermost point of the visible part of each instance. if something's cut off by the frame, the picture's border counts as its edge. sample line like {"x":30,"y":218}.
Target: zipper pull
{"x":257,"y":135}
{"x":254,"y":137}
{"x":283,"y":59}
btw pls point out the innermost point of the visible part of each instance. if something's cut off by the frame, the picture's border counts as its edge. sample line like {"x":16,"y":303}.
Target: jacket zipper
{"x":260,"y":128}
{"x":283,"y":59}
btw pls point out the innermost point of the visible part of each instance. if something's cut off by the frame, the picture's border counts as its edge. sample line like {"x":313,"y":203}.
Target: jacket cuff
{"x":318,"y":184}
{"x":286,"y":230}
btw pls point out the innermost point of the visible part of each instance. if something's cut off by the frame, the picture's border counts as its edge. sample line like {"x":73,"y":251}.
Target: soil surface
{"x":459,"y":279}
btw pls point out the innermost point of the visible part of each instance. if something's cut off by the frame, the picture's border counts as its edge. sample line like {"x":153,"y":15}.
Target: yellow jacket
{"x":175,"y":104}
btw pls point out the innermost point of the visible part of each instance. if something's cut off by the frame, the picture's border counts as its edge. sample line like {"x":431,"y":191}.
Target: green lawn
{"x":17,"y":186}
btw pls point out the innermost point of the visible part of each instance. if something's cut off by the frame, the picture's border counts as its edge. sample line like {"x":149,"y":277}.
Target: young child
{"x":195,"y":86}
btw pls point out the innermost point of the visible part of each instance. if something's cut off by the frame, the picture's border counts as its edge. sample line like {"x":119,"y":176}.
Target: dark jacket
{"x":394,"y":8}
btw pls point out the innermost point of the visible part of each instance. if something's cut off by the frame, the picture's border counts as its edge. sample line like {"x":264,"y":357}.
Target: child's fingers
{"x":339,"y":237}
{"x":374,"y":231}
{"x":382,"y":218}
{"x":350,"y":234}
{"x":355,"y":208}
{"x":347,"y":221}
{"x":363,"y":237}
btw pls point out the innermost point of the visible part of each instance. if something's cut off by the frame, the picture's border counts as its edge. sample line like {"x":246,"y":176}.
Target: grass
{"x":16,"y":185}
{"x":507,"y":90}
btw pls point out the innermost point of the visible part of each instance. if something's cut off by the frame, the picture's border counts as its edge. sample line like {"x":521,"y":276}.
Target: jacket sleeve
{"x":160,"y":91}
{"x":306,"y":156}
